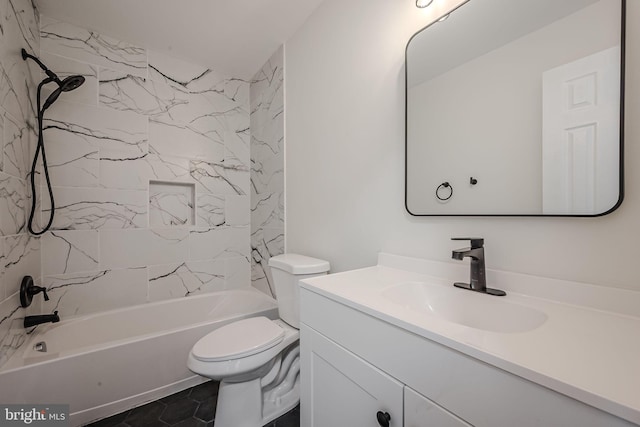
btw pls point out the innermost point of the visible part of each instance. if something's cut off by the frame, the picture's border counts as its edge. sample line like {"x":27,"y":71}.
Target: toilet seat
{"x":238,"y":339}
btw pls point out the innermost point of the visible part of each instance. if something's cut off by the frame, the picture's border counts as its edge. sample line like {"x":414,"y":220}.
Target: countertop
{"x":590,"y":352}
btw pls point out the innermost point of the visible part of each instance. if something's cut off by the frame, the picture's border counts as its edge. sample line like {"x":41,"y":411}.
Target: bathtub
{"x":105,"y":363}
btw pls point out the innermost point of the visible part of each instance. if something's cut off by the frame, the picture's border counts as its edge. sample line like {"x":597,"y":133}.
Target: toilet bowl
{"x":256,"y":360}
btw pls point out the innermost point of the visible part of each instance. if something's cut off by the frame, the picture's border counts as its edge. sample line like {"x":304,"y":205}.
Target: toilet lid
{"x":238,"y":339}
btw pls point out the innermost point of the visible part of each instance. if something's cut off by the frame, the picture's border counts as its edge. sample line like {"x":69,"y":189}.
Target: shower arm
{"x":51,"y":75}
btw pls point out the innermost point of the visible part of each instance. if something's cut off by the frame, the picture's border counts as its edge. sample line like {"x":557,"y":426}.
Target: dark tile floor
{"x":194,"y":407}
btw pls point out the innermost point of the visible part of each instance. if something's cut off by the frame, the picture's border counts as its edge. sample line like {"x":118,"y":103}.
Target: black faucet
{"x":30,"y":321}
{"x":478,"y":277}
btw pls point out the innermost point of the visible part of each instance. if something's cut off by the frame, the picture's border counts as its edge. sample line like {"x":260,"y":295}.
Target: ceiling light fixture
{"x":444,"y":17}
{"x":423,"y":3}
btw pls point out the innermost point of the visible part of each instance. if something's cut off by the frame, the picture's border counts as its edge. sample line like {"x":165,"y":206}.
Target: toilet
{"x":256,"y":360}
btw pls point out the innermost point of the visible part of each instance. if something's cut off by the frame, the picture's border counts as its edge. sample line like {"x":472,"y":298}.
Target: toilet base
{"x":234,"y":409}
{"x":253,"y":404}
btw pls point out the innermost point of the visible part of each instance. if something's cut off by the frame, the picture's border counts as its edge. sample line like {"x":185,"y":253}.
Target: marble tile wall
{"x":267,"y":169}
{"x":19,"y":252}
{"x":168,"y":177}
{"x":150,"y":164}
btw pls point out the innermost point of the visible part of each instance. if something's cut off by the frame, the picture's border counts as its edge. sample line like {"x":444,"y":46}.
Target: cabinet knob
{"x":383,"y":418}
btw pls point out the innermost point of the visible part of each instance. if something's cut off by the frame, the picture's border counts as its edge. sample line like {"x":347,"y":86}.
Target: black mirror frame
{"x":623,"y":15}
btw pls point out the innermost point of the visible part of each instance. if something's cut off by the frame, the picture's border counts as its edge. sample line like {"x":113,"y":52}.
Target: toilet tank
{"x":287,"y":270}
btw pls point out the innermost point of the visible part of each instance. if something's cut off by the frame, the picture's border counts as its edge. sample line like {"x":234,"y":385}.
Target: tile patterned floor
{"x":194,"y":407}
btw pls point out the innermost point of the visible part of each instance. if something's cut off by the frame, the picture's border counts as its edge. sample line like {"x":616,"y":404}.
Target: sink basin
{"x":463,"y":307}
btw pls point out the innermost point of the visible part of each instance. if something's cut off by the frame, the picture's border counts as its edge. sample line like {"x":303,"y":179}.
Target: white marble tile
{"x":18,"y":78}
{"x":95,"y":208}
{"x":134,"y":248}
{"x":210,"y":211}
{"x":237,"y":145}
{"x":87,"y":46}
{"x":237,"y":273}
{"x":267,"y":167}
{"x":21,"y":258}
{"x":274,"y":241}
{"x":13,"y":199}
{"x":12,"y":332}
{"x":237,"y":173}
{"x":237,"y":210}
{"x":83,"y":293}
{"x":194,"y":78}
{"x":221,"y":242}
{"x":183,"y":74}
{"x":270,"y":77}
{"x":151,"y":98}
{"x":65,"y":252}
{"x":267,"y":210}
{"x":170,"y":102}
{"x":265,"y":243}
{"x":210,"y":92}
{"x":121,"y":171}
{"x":101,"y":128}
{"x":3,"y":294}
{"x":17,"y":144}
{"x":2,"y":113}
{"x":173,"y":139}
{"x":171,"y":204}
{"x":124,"y":92}
{"x":220,"y":178}
{"x":87,"y":93}
{"x":267,"y":127}
{"x":167,"y":168}
{"x":184,"y":279}
{"x":73,"y":161}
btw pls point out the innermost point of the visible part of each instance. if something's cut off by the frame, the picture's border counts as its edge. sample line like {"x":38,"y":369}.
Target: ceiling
{"x":232,"y":37}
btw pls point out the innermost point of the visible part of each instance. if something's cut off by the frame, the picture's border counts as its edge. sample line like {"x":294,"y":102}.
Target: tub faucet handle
{"x":28,"y":289}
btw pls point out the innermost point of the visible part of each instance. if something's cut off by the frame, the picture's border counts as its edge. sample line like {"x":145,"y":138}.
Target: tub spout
{"x":30,"y":321}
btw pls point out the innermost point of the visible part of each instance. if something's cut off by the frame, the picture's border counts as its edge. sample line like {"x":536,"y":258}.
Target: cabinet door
{"x":340,"y":389}
{"x":421,"y":412}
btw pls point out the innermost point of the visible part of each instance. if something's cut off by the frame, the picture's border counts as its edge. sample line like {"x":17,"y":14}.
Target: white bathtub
{"x":106,"y":363}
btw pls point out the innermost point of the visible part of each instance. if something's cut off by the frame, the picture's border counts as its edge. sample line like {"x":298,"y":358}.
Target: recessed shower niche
{"x":171,"y":204}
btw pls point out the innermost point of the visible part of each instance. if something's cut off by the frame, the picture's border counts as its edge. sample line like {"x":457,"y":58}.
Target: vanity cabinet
{"x":355,"y":364}
{"x":347,"y":391}
{"x":420,"y":412}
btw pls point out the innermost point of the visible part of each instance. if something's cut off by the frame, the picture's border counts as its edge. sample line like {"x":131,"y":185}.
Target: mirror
{"x":514,"y":107}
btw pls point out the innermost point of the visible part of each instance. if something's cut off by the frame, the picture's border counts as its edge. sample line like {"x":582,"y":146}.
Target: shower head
{"x":68,"y":84}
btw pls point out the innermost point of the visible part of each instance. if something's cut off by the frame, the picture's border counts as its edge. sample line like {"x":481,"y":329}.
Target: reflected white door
{"x":581,"y":135}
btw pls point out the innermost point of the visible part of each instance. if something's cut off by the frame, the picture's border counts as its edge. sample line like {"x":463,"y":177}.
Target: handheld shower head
{"x":68,"y":84}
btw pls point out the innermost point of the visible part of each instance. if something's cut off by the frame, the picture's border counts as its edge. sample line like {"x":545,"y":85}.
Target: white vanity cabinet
{"x":347,"y":391}
{"x":422,"y":412}
{"x":354,"y":364}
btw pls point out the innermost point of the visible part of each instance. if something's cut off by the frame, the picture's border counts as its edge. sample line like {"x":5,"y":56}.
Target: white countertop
{"x":590,"y":352}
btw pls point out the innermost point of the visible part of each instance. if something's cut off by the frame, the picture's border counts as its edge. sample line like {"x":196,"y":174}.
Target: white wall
{"x":344,"y":102}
